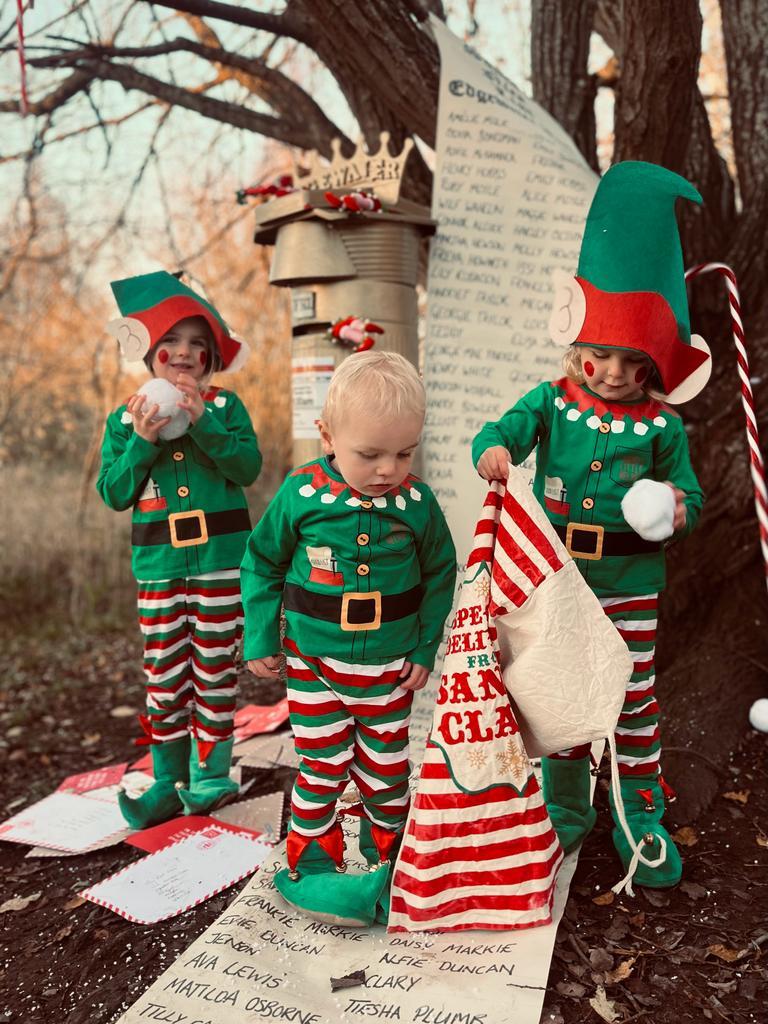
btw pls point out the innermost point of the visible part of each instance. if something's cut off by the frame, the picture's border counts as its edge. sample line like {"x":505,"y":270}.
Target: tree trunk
{"x":745,"y":31}
{"x":560,"y":32}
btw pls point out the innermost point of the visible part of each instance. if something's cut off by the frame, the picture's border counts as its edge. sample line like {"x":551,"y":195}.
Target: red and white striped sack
{"x":479,"y":850}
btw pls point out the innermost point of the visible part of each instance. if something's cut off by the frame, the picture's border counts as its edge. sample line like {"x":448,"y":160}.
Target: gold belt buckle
{"x":599,"y":531}
{"x":177,"y":517}
{"x":375,"y":623}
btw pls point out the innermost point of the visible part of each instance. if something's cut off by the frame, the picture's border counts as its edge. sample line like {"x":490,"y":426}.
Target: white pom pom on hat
{"x":649,"y":508}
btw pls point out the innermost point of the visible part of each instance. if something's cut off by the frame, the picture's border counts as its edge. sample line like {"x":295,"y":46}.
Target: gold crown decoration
{"x":380,"y":172}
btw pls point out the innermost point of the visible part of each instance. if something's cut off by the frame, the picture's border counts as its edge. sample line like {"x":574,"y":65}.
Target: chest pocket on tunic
{"x":629,"y":465}
{"x":398,"y":539}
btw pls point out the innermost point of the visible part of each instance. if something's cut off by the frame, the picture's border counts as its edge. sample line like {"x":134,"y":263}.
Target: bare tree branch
{"x":308,"y":134}
{"x":286,"y":98}
{"x":287,"y":24}
{"x":77,"y":82}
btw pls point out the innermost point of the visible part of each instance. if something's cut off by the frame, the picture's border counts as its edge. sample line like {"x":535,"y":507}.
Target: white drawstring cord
{"x":637,"y":854}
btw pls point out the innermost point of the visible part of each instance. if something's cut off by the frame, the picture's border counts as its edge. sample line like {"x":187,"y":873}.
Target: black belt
{"x":353,"y":610}
{"x":593,"y":542}
{"x":188,"y":529}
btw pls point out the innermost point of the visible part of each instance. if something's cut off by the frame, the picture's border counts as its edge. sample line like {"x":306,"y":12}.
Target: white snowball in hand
{"x":167,"y":396}
{"x":649,"y":508}
{"x":758,"y":715}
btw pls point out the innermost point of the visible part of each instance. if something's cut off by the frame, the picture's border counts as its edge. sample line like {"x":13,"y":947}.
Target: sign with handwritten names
{"x":511,"y":195}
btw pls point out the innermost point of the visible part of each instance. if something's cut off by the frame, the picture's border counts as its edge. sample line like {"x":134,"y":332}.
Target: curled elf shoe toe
{"x":170,"y":764}
{"x":643,"y":800}
{"x":160,"y":803}
{"x":667,"y":874}
{"x":209,"y":783}
{"x":204,"y":799}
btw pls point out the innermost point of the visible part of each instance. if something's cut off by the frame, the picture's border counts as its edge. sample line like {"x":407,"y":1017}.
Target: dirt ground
{"x":695,"y":953}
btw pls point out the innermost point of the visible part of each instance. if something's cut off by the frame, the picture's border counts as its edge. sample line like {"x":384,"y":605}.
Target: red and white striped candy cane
{"x":756,"y":465}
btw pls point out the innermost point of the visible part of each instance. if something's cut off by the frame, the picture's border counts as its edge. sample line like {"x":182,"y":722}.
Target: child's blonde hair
{"x":573,"y":370}
{"x":376,"y":383}
{"x":572,"y":364}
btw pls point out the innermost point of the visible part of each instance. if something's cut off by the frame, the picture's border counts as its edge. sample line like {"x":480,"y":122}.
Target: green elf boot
{"x":170,"y":762}
{"x":316,"y":882}
{"x":209,"y":783}
{"x":643,"y":799}
{"x":380,"y":846}
{"x":566,"y":789}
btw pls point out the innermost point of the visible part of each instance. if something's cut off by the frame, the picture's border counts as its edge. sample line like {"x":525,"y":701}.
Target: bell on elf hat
{"x":629,"y":291}
{"x":152,"y":303}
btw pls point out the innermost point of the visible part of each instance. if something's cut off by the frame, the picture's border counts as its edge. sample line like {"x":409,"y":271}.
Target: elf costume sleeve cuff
{"x":520,"y":428}
{"x":126,"y":460}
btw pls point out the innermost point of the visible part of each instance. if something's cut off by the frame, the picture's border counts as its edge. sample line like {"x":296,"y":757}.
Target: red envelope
{"x":259,"y":718}
{"x":153,"y":839}
{"x":95,"y":779}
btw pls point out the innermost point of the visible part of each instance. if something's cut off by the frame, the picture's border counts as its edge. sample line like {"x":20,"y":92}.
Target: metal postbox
{"x":339,"y":263}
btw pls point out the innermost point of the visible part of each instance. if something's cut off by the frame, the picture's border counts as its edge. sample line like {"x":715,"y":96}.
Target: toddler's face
{"x":373,"y":455}
{"x":182,"y":349}
{"x":614,"y":374}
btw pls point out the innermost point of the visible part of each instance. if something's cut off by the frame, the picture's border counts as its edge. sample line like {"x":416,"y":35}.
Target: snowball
{"x":161,"y":392}
{"x":758,"y":715}
{"x":649,"y":508}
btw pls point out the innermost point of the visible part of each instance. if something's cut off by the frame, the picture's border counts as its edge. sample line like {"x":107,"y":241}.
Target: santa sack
{"x":564,"y":664}
{"x":478,"y":849}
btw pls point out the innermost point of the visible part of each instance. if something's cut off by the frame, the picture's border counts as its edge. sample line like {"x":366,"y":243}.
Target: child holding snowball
{"x":180,"y":456}
{"x":613,"y":471}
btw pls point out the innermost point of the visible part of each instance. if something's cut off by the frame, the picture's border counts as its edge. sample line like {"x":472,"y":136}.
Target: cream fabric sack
{"x":563,"y":662}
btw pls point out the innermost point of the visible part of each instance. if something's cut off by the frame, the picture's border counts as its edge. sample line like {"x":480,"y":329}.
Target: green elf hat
{"x":629,"y":292}
{"x":152,"y":303}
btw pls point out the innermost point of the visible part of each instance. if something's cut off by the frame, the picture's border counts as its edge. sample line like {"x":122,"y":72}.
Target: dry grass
{"x":66,"y":567}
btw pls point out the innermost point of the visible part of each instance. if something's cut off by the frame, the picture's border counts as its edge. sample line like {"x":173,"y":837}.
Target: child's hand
{"x":494,"y":463}
{"x":265,"y":668}
{"x":681,"y":512}
{"x":413,"y":677}
{"x":192,"y":401}
{"x":143,"y":422}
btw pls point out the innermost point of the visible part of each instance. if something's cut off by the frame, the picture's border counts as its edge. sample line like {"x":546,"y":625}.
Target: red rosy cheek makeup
{"x":588,"y":368}
{"x":641,"y":374}
{"x":162,"y":356}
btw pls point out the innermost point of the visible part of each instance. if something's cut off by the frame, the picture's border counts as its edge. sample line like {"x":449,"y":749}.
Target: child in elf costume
{"x":190,"y":526}
{"x":613,"y":470}
{"x":357,"y":550}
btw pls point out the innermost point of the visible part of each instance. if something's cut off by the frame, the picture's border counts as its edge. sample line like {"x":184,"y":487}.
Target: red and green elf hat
{"x":629,"y":292}
{"x":152,"y":303}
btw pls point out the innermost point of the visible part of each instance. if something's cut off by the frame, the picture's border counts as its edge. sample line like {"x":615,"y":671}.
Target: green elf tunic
{"x":189,"y":512}
{"x":589,"y":453}
{"x":365,"y":580}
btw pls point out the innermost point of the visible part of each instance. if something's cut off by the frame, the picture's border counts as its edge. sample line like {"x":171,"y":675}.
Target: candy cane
{"x":756,"y":465}
{"x":24,"y":105}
